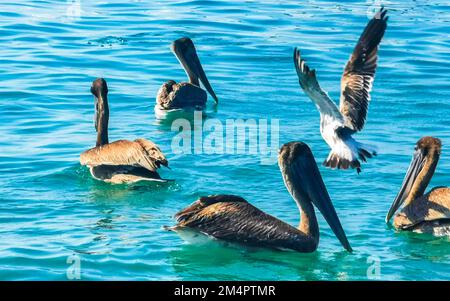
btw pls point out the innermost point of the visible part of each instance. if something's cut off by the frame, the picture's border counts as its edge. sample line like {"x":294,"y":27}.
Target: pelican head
{"x":184,"y":50}
{"x":99,"y":89}
{"x":304,"y":182}
{"x":419,"y":174}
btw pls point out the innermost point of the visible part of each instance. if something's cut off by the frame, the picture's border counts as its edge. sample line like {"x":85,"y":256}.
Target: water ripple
{"x":52,"y":208}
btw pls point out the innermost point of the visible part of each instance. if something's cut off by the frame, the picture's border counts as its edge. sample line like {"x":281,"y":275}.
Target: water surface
{"x":51,"y":209}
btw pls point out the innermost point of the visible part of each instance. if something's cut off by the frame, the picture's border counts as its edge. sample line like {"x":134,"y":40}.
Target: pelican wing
{"x":310,"y":85}
{"x":173,"y":95}
{"x":359,"y":73}
{"x":233,"y":219}
{"x":139,"y":153}
{"x":433,"y":206}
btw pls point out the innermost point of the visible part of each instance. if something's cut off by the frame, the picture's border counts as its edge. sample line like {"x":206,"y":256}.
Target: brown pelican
{"x":232,"y":219}
{"x":338,"y":125}
{"x":121,"y":161}
{"x":423,"y":213}
{"x":182,"y":95}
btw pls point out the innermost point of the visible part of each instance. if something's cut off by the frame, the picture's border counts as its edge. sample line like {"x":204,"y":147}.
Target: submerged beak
{"x":166,"y":164}
{"x":328,"y":211}
{"x":185,"y":52}
{"x":414,"y":169}
{"x":320,"y":198}
{"x":306,"y":182}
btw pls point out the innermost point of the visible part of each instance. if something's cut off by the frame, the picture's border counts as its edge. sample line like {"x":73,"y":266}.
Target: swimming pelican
{"x":429,"y":213}
{"x":232,"y":219}
{"x":172,"y":95}
{"x":338,"y":125}
{"x":121,"y":161}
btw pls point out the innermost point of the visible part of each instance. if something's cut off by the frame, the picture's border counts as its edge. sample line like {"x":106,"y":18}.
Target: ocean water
{"x":54,"y":218}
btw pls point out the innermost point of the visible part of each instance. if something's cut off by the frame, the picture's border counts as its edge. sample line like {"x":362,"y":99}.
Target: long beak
{"x":308,"y":184}
{"x":318,"y":195}
{"x":414,"y":169}
{"x":187,"y":55}
{"x":96,"y":113}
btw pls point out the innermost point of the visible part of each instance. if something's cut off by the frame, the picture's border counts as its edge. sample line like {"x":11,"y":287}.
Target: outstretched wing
{"x":359,"y":73}
{"x":233,"y":219}
{"x":308,"y":82}
{"x":140,"y":152}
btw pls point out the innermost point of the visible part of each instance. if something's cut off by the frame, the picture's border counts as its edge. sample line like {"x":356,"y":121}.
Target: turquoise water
{"x":51,"y":211}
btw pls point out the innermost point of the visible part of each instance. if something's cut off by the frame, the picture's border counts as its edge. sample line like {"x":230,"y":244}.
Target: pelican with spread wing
{"x":121,"y":161}
{"x":337,"y":125}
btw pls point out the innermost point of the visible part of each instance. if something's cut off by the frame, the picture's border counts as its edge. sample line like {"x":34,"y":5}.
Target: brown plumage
{"x":121,"y":161}
{"x":359,"y":73}
{"x":183,"y":95}
{"x":139,"y":152}
{"x":433,"y":206}
{"x":338,"y":125}
{"x":174,"y":95}
{"x":232,"y":219}
{"x":421,"y":212}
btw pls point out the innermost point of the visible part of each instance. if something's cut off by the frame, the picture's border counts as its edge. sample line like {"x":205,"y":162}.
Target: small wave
{"x":108,"y":41}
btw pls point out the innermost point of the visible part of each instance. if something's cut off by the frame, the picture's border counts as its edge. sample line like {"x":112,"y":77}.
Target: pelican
{"x":185,"y":95}
{"x":338,"y":125}
{"x":422,"y":213}
{"x":232,"y":219}
{"x":121,"y":161}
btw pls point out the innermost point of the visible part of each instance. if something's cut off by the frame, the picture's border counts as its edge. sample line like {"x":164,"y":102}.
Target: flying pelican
{"x":429,"y":213}
{"x":232,"y":219}
{"x":172,"y":95}
{"x":121,"y":161}
{"x":338,"y":125}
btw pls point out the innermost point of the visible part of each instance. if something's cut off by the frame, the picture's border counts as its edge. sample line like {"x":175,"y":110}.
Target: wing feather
{"x":233,"y":219}
{"x":359,"y":73}
{"x":310,"y":85}
{"x":432,"y":206}
{"x":141,"y":152}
